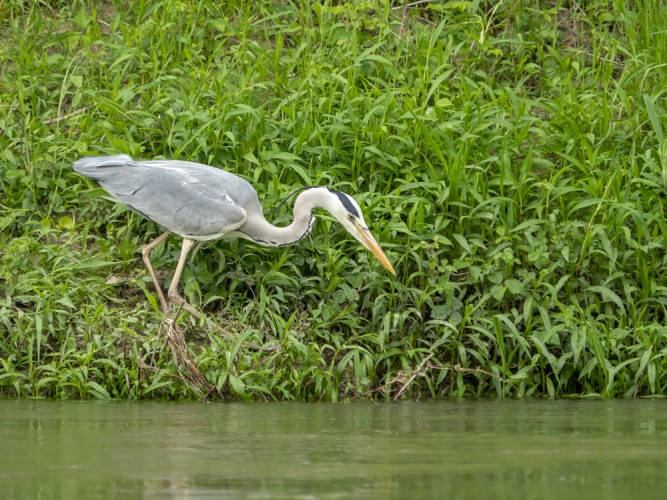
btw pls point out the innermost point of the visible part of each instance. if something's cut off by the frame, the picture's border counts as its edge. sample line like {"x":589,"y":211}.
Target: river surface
{"x":436,"y":449}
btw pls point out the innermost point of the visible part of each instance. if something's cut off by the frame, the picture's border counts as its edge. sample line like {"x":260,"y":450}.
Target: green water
{"x":443,"y":449}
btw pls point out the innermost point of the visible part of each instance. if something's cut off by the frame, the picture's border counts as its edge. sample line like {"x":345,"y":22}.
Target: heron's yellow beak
{"x":369,"y":242}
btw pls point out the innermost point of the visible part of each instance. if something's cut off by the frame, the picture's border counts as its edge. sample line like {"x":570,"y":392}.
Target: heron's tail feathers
{"x":99,"y":167}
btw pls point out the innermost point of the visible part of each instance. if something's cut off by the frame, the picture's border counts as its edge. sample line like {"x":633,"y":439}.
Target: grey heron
{"x":202,"y":203}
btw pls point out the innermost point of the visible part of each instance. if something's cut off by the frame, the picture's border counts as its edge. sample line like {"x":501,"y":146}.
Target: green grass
{"x":510,"y":157}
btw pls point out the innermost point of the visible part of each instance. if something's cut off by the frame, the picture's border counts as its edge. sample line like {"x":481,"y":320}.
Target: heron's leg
{"x":172,"y":293}
{"x":146,"y":254}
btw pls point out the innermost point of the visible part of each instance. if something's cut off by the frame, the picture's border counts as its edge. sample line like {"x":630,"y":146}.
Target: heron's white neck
{"x":259,"y":230}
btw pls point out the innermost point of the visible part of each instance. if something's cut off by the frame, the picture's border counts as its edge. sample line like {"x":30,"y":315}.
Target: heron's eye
{"x":351,"y":217}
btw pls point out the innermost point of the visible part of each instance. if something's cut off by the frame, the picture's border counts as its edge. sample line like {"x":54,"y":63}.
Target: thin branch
{"x":59,"y":119}
{"x":411,"y":4}
{"x":459,"y":369}
{"x":416,"y":373}
{"x":424,"y":365}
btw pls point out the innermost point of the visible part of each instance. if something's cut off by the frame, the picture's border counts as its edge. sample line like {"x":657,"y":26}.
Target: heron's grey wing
{"x":186,"y":212}
{"x":193,"y":206}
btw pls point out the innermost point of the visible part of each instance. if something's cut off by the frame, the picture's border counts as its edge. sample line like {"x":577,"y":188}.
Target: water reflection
{"x":442,"y":449}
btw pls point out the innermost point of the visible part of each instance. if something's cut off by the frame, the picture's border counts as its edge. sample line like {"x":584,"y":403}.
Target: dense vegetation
{"x":510,"y":157}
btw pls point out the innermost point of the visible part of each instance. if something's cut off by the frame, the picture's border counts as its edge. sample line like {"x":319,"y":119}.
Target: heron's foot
{"x":181,"y":303}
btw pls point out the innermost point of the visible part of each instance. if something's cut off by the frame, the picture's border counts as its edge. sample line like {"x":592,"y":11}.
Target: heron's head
{"x":346,"y":211}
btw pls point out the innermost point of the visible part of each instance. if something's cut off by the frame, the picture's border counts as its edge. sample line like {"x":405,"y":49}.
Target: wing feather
{"x":193,"y":200}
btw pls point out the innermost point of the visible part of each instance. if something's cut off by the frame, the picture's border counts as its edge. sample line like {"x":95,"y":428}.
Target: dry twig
{"x":62,"y":118}
{"x":415,"y":374}
{"x":411,"y":4}
{"x":182,"y":359}
{"x":425,"y":365}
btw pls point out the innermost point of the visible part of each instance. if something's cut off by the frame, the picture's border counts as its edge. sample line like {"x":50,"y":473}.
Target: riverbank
{"x":510,"y":159}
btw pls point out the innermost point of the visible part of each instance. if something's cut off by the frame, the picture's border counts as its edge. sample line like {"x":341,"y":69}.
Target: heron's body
{"x":190,"y":199}
{"x":202,"y":203}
